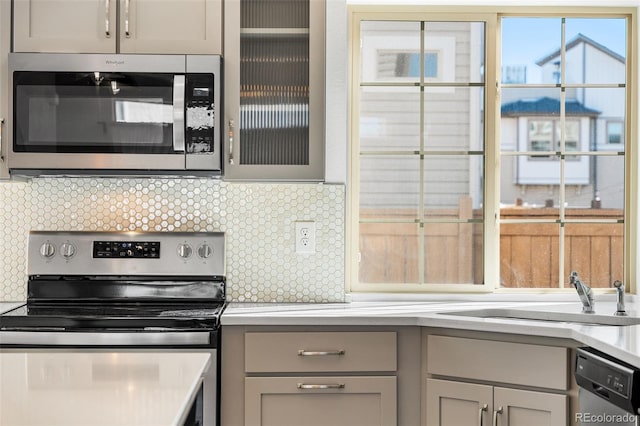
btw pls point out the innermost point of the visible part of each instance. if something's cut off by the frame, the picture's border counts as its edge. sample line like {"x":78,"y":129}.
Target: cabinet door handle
{"x":1,"y":139}
{"x":127,"y":3}
{"x":481,"y":412}
{"x":303,"y":352}
{"x":495,"y":415}
{"x":107,"y":20}
{"x":328,"y":386}
{"x":231,"y":130}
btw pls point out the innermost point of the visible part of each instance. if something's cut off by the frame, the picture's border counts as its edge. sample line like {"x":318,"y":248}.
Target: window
{"x":397,"y":64}
{"x":421,"y":154}
{"x":437,"y":149}
{"x":541,"y":136}
{"x":615,"y":132}
{"x":545,"y":136}
{"x":570,"y":212}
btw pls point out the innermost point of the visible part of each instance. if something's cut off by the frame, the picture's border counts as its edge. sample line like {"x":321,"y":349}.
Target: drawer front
{"x":321,"y":401}
{"x":504,"y":362}
{"x":320,"y":352}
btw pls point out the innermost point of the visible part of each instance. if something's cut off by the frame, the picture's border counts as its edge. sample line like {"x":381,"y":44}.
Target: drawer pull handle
{"x":329,"y":386}
{"x":495,"y":415}
{"x":481,"y":412}
{"x":303,"y":352}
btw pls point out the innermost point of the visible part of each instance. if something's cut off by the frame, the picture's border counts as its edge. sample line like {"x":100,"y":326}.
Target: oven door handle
{"x":178,"y":113}
{"x":105,"y":338}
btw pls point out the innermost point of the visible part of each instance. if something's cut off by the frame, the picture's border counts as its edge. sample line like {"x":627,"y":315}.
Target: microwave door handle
{"x":178,"y":113}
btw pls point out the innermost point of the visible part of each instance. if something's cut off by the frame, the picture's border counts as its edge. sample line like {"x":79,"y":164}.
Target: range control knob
{"x":67,"y":250}
{"x":185,"y":251}
{"x":205,"y":250}
{"x":47,"y":250}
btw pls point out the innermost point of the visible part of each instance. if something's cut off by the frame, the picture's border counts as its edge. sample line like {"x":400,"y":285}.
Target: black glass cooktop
{"x":106,"y":316}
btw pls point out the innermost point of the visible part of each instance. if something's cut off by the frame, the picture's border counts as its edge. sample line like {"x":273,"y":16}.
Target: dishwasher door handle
{"x":603,"y":392}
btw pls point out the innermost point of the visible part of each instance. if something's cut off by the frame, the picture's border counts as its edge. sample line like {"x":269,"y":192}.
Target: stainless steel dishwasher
{"x":608,"y":392}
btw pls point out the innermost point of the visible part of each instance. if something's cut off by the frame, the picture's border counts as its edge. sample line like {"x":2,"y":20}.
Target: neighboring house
{"x":594,"y":122}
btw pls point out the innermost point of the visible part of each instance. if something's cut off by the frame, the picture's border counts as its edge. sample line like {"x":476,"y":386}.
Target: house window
{"x":405,"y":64}
{"x":545,"y":136}
{"x":437,"y":150}
{"x":541,"y":137}
{"x":615,"y":132}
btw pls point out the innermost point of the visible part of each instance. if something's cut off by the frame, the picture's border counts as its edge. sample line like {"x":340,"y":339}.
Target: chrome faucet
{"x":620,"y":311}
{"x":584,"y":291}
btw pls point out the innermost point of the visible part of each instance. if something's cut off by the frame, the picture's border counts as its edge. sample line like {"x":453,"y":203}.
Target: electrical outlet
{"x":305,"y":237}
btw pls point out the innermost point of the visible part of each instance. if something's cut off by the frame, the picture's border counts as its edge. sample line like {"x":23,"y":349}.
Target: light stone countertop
{"x":7,"y":306}
{"x":622,"y":342}
{"x":90,"y":388}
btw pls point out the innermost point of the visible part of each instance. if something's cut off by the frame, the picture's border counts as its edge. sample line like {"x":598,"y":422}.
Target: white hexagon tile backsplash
{"x":258,"y":219}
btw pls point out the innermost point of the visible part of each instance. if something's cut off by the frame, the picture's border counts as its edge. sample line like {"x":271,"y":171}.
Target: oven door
{"x":78,"y":117}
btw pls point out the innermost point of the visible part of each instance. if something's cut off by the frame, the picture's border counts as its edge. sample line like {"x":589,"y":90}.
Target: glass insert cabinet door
{"x":274,"y":80}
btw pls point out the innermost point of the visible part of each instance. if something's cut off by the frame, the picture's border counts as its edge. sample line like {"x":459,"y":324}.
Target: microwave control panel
{"x":200,"y":113}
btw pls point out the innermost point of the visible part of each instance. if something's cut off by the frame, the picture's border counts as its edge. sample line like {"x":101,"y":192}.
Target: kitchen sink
{"x":553,"y":316}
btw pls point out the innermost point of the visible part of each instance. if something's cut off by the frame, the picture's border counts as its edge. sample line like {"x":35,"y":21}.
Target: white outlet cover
{"x":305,"y":237}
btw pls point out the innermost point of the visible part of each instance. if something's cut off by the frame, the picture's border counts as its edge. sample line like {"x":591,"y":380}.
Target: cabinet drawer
{"x":320,"y":352}
{"x":321,"y":401}
{"x":504,"y":362}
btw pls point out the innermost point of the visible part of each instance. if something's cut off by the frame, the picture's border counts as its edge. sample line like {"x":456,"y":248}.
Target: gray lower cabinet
{"x":484,"y":382}
{"x":342,"y":380}
{"x":320,"y":401}
{"x":452,"y":403}
{"x":320,"y":376}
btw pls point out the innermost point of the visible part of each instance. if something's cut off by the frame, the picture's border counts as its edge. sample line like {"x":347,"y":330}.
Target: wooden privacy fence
{"x":529,"y":253}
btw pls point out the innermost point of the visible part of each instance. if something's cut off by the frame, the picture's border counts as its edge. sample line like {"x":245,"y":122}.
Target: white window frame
{"x":491,"y":245}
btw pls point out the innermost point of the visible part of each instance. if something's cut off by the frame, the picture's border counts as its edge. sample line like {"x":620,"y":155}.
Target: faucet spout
{"x":584,"y":291}
{"x":620,"y":310}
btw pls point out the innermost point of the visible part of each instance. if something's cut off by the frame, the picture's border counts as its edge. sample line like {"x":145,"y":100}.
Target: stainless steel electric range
{"x":98,"y":291}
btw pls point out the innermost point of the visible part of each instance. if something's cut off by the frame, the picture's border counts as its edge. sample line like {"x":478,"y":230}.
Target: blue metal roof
{"x":546,"y":106}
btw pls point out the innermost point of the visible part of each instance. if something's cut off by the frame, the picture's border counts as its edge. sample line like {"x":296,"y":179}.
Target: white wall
{"x":337,"y":59}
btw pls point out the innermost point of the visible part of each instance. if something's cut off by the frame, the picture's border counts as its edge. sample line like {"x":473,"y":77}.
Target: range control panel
{"x":126,"y":249}
{"x":118,"y":253}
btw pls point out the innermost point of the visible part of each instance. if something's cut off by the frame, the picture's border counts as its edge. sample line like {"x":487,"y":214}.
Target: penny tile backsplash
{"x":258,"y":219}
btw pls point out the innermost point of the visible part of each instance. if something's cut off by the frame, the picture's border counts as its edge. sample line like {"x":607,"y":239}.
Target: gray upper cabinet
{"x":5,"y":36}
{"x":274,"y":89}
{"x":118,"y":26}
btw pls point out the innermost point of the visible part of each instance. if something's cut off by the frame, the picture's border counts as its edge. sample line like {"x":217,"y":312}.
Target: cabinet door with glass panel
{"x":274,"y":82}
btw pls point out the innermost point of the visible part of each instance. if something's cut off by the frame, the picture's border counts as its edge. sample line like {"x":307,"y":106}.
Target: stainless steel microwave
{"x":79,"y":114}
